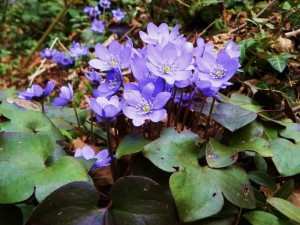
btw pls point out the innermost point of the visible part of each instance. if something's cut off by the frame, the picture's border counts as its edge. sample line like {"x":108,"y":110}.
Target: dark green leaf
{"x":260,"y":163}
{"x":286,"y":190}
{"x":131,"y":144}
{"x":140,"y":200}
{"x":263,"y":179}
{"x":279,"y":62}
{"x":75,"y":203}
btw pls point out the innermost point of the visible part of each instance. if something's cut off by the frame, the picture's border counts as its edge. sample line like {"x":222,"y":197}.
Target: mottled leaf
{"x":202,"y":196}
{"x":22,"y":120}
{"x":173,"y":150}
{"x":286,"y":156}
{"x":23,"y":159}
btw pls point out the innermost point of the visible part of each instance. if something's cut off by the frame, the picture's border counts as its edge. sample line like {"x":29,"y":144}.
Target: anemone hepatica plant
{"x":166,"y":144}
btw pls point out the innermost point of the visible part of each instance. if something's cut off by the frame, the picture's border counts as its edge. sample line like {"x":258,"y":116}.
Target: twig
{"x":292,"y":33}
{"x":282,"y":115}
{"x":257,"y":16}
{"x":183,"y":3}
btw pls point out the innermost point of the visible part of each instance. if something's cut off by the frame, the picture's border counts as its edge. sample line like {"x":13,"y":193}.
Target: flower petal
{"x":158,"y":115}
{"x":161,"y":99}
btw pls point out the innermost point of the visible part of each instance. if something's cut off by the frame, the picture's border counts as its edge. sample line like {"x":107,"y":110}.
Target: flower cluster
{"x":98,"y":25}
{"x":64,"y":59}
{"x":167,"y":65}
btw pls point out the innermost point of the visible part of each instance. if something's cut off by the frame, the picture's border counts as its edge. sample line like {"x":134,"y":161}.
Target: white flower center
{"x":218,"y":71}
{"x":144,"y":107}
{"x":168,"y":67}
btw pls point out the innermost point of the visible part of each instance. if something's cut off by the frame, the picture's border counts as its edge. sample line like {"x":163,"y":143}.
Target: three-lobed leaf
{"x":23,"y":158}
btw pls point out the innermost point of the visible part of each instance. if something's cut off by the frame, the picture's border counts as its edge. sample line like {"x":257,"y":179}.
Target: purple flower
{"x":118,"y":14}
{"x":93,"y":11}
{"x":36,"y":92}
{"x":112,"y":84}
{"x":65,"y":96}
{"x":169,"y":64}
{"x":102,"y":157}
{"x":116,"y":56}
{"x":76,"y":50}
{"x":105,"y":4}
{"x":62,"y":59}
{"x":145,"y":105}
{"x":159,"y":34}
{"x":47,"y":53}
{"x":94,"y":77}
{"x":217,"y":69}
{"x":232,"y":49}
{"x":98,"y":26}
{"x":106,"y":109}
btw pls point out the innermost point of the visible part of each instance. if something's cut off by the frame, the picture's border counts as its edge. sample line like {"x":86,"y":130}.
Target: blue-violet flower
{"x":144,"y":105}
{"x":36,"y":92}
{"x":102,"y":157}
{"x":116,"y":56}
{"x":106,"y":109}
{"x":76,"y":50}
{"x":65,"y":96}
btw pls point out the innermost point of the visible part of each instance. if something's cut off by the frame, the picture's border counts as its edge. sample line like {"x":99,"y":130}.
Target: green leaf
{"x":291,"y":132}
{"x":286,"y":156}
{"x":140,"y":200}
{"x":74,"y":203}
{"x":173,"y":150}
{"x":286,"y":190}
{"x":21,"y":120}
{"x":260,"y":163}
{"x":263,"y":179}
{"x":243,"y":47}
{"x":279,"y":62}
{"x":131,"y":144}
{"x":286,"y":208}
{"x":23,"y":159}
{"x":263,"y":218}
{"x":219,"y":155}
{"x":201,"y":196}
{"x":232,"y":116}
{"x":10,"y":215}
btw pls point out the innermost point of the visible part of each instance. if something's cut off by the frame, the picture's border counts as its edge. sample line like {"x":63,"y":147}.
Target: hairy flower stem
{"x":43,"y":106}
{"x":78,"y":122}
{"x":171,"y":107}
{"x":179,"y":108}
{"x":111,"y":154}
{"x":92,"y":125}
{"x":209,"y":118}
{"x":187,"y":110}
